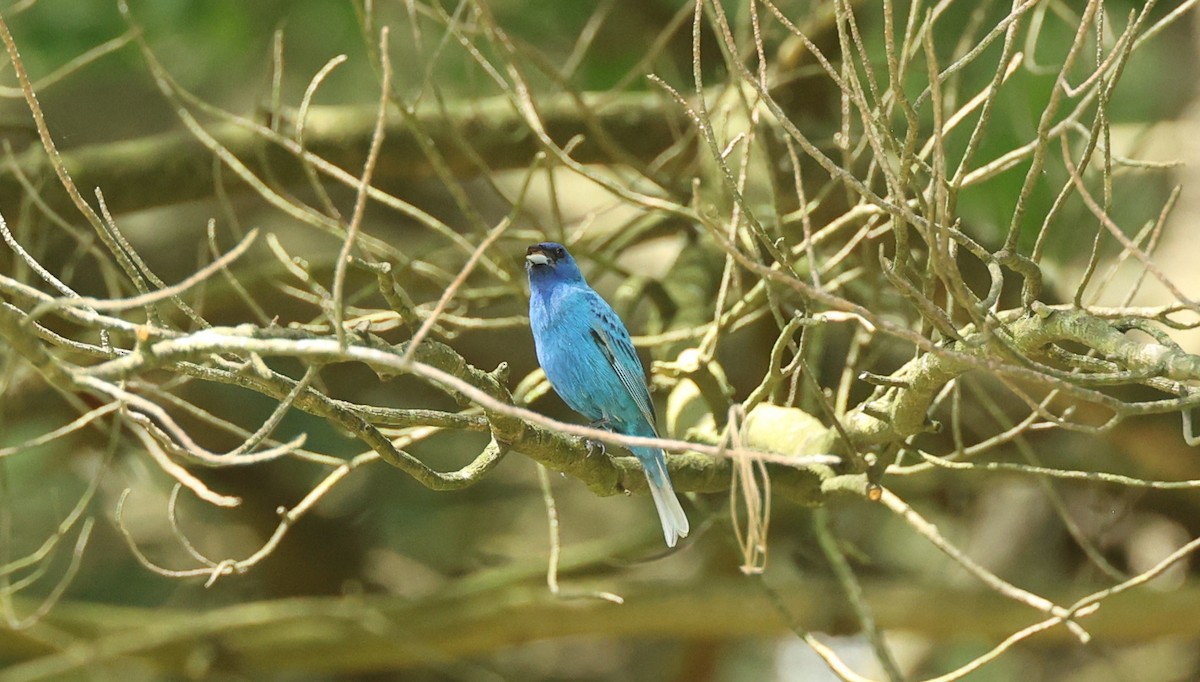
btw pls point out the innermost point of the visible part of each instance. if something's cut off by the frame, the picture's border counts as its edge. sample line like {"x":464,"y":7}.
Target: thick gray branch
{"x":900,"y":412}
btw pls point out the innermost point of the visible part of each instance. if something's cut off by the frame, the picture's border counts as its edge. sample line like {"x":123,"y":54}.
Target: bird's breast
{"x":568,"y":353}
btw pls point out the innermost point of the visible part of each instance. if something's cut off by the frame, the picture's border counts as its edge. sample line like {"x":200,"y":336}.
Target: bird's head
{"x":550,"y":262}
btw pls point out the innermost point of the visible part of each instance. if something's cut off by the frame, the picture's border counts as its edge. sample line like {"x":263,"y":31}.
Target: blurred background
{"x":386,"y":579}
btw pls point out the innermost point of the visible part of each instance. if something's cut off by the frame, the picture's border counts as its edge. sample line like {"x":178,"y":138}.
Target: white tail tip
{"x":670,"y":513}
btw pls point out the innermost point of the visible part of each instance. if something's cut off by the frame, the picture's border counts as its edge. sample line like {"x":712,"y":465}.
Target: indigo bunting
{"x":586,"y":353}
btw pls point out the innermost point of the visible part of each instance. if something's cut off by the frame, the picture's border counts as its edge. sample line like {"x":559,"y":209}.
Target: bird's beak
{"x":537,"y":258}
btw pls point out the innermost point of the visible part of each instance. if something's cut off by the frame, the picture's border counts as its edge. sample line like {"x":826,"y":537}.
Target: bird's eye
{"x":561,"y":253}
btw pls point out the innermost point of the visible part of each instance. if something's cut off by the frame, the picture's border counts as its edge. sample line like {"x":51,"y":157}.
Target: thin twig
{"x":360,"y":199}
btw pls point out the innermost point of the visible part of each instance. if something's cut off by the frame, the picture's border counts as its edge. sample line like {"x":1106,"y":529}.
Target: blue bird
{"x":586,"y":353}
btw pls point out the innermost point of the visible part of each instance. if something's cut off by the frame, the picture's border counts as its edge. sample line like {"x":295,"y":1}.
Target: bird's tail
{"x":674,"y":521}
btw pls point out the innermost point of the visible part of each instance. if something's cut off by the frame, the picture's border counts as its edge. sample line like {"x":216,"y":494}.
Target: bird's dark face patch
{"x":546,"y":253}
{"x":539,"y":255}
{"x":550,"y":261}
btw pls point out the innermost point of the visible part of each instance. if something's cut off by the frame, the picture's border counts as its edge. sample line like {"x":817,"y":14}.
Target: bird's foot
{"x":593,"y":444}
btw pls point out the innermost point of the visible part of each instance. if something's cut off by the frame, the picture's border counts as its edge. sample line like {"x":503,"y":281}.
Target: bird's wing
{"x":613,"y":340}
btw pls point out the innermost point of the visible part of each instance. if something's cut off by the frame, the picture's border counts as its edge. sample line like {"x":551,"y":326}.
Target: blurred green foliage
{"x":381,"y":532}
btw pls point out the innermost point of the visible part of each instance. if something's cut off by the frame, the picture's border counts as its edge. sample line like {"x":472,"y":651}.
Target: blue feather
{"x":587,"y":355}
